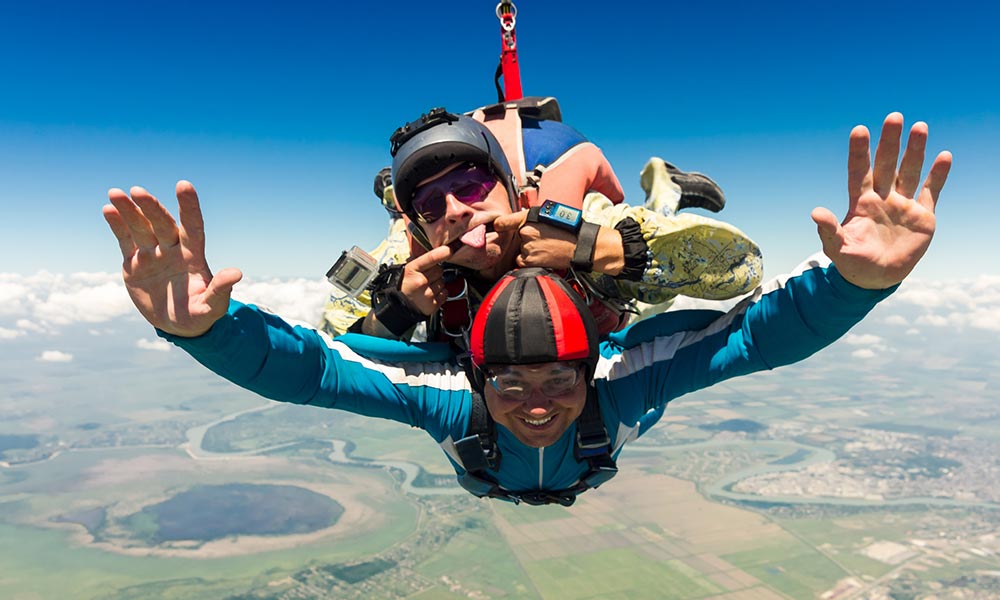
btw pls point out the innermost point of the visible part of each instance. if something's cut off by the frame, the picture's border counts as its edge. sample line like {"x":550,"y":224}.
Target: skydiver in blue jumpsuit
{"x":536,"y":362}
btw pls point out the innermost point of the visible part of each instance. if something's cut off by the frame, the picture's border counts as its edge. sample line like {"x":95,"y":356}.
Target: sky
{"x":279,"y":113}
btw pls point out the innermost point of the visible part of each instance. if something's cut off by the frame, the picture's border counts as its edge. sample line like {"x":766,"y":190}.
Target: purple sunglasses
{"x":469,"y":184}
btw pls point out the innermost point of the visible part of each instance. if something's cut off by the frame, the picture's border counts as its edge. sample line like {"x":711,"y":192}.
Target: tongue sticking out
{"x":475,"y":237}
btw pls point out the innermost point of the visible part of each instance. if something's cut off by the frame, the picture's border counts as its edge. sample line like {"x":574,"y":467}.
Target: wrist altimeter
{"x":570,"y":219}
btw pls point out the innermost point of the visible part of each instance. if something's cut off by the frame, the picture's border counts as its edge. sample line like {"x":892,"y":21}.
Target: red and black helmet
{"x":532,"y":316}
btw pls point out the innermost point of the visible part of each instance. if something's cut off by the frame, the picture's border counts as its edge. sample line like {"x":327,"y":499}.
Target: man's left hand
{"x":542,"y":245}
{"x":888,"y":226}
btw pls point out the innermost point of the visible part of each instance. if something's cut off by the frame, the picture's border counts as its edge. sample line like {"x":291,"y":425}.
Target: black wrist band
{"x":390,"y":306}
{"x":635,"y":249}
{"x":586,"y":242}
{"x":395,"y":312}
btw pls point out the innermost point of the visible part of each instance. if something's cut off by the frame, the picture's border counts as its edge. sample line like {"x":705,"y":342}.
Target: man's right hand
{"x":164,"y":266}
{"x":423,"y":280}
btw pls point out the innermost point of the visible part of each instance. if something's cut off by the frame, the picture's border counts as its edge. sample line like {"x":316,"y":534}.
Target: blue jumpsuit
{"x":641,"y":368}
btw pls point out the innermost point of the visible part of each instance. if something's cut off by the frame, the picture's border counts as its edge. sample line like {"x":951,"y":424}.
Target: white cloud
{"x":932,"y":296}
{"x":862,"y":340}
{"x":9,"y":334}
{"x":54,"y":356}
{"x":95,"y":304}
{"x":44,"y":302}
{"x":27,"y":325}
{"x":13,"y":295}
{"x":913,"y":331}
{"x":157,"y":344}
{"x":979,"y":318}
{"x":933,"y":320}
{"x":37,"y":303}
{"x":873,"y":345}
{"x":298,"y":299}
{"x":967,"y":304}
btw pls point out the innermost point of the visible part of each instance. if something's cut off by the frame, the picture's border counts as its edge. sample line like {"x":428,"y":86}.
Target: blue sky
{"x":279,"y":113}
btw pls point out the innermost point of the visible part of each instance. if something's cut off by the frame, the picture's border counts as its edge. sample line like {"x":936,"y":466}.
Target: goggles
{"x":469,"y":184}
{"x":512,"y":384}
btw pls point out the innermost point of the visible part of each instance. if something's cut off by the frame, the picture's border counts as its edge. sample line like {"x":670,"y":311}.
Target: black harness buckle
{"x":594,"y":440}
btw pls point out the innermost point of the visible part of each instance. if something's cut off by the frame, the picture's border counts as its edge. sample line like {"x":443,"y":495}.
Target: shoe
{"x":668,"y":189}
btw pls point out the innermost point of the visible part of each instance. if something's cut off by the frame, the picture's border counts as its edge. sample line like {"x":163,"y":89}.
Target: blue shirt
{"x":641,"y":368}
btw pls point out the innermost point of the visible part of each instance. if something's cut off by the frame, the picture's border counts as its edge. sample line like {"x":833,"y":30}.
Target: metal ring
{"x":462,"y":294}
{"x":513,"y":9}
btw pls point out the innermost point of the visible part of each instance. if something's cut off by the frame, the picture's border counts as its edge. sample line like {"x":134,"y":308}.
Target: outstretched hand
{"x":889,"y":225}
{"x":164,"y":267}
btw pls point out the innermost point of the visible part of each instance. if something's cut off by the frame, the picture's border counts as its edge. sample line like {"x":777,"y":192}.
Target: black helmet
{"x":437,"y":140}
{"x":532,"y":316}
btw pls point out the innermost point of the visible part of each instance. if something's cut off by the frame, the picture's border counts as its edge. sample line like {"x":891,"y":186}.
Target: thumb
{"x":221,"y":288}
{"x":826,"y":226}
{"x":511,"y":222}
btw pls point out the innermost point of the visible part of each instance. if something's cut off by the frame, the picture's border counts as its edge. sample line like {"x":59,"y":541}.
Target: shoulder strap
{"x":593,"y":444}
{"x":592,"y":437}
{"x":478,"y":449}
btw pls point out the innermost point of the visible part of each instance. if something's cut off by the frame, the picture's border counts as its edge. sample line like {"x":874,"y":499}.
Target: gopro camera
{"x":353,"y":271}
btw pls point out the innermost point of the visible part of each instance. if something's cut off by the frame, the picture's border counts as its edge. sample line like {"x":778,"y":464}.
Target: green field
{"x":76,"y":517}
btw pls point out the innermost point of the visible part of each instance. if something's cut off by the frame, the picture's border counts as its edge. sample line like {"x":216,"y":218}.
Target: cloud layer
{"x":956,"y":305}
{"x":45,"y":303}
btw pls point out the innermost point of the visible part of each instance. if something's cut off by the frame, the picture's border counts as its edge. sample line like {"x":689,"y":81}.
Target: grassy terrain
{"x":114,"y":449}
{"x":622,"y":573}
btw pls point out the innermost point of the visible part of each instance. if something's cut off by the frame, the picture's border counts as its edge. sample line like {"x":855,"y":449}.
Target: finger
{"x":887,"y":154}
{"x":138,"y":225}
{"x":220,"y":289}
{"x":913,"y":160}
{"x":192,"y":230}
{"x":162,"y":222}
{"x":430,"y":260}
{"x":511,"y":222}
{"x":828,"y":228}
{"x":859,"y":173}
{"x":935,"y":181}
{"x":120,"y":229}
{"x":520,"y":261}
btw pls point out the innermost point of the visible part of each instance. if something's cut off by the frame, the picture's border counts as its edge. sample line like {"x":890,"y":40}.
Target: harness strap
{"x":478,"y":449}
{"x":479,"y":452}
{"x":455,"y":316}
{"x":507,"y":13}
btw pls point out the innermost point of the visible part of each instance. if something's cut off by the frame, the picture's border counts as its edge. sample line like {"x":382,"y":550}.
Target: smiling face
{"x":465,"y":213}
{"x":537,"y":403}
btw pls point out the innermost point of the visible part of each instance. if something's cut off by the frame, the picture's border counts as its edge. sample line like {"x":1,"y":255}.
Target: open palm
{"x":889,"y":225}
{"x":164,"y":266}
